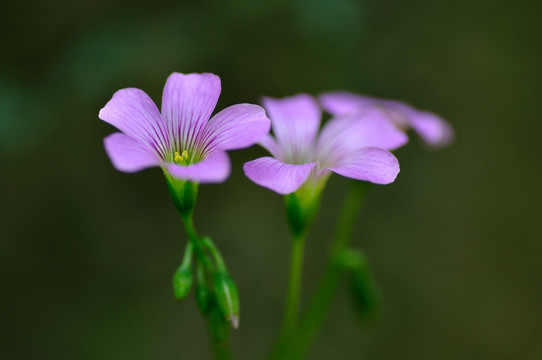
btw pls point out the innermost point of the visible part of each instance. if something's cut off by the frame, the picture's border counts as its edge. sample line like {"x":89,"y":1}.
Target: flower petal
{"x":235,"y":127}
{"x":213,"y":169}
{"x":278,"y":176}
{"x":187,"y":104}
{"x":295,"y":122}
{"x":369,"y":128}
{"x":342,"y":102}
{"x":127,"y":154}
{"x":375,"y":165}
{"x":434,"y":130}
{"x":134,"y":113}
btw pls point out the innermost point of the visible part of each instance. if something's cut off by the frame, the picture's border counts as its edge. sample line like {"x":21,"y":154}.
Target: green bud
{"x":227,"y":298}
{"x":182,"y":278}
{"x":350,"y":259}
{"x":184,"y":195}
{"x":182,"y":282}
{"x":364,"y":291}
{"x":220,"y":329}
{"x":203,"y":299}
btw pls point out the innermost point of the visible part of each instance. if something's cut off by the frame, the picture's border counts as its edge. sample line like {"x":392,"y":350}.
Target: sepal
{"x":184,"y":195}
{"x":301,"y":208}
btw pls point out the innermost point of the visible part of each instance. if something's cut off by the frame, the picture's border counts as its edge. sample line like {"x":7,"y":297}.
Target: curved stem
{"x":325,"y":292}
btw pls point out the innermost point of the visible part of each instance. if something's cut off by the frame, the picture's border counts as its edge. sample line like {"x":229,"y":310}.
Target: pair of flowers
{"x":188,"y":144}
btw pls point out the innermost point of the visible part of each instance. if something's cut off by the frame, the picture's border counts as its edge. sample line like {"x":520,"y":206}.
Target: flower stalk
{"x":323,"y":297}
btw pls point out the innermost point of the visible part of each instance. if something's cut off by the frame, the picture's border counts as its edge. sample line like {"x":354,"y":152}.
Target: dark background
{"x":87,"y":253}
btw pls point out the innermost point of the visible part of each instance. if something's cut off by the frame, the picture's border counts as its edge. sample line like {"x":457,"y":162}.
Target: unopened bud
{"x":182,"y":282}
{"x":227,"y":298}
{"x":203,"y":299}
{"x":364,"y":292}
{"x":182,"y":278}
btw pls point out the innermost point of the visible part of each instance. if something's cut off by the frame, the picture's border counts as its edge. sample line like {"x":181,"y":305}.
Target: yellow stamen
{"x":182,"y":157}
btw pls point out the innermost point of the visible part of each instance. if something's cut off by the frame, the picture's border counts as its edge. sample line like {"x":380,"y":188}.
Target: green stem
{"x":221,"y":350}
{"x":190,"y":229}
{"x":219,"y":260}
{"x":291,"y":312}
{"x":325,"y":292}
{"x":196,"y":242}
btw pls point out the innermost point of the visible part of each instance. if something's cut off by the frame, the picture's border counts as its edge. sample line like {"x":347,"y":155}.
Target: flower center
{"x":181,"y":158}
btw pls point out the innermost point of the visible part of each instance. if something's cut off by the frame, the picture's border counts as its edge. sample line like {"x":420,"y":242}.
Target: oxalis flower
{"x":182,"y":138}
{"x":354,"y":146}
{"x":434,"y":130}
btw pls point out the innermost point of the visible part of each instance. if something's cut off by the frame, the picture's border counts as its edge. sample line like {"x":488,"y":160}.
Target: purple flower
{"x":182,"y":138}
{"x":352,"y":146}
{"x":434,"y":130}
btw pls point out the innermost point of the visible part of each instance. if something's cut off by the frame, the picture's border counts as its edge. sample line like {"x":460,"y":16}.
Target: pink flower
{"x":352,"y":146}
{"x":182,"y":138}
{"x":434,"y":130}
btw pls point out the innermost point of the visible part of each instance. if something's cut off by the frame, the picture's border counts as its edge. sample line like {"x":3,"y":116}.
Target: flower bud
{"x":182,"y":282}
{"x":182,"y":278}
{"x":227,"y":298}
{"x":364,"y":291}
{"x":203,"y":299}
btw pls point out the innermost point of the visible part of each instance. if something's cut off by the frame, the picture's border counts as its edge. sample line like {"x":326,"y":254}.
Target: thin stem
{"x":190,"y":229}
{"x":291,"y":312}
{"x":221,"y":350}
{"x":196,"y":242}
{"x":325,"y":292}
{"x":215,"y":253}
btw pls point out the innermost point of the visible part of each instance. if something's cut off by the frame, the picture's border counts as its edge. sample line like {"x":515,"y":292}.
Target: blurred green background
{"x":87,"y":253}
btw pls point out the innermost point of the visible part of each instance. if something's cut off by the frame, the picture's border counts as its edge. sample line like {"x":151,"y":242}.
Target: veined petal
{"x":295,"y":121}
{"x":375,"y":165}
{"x":343,"y":135}
{"x":187,"y":104}
{"x":127,"y":154}
{"x":134,"y":113}
{"x":215,"y":168}
{"x":434,"y":130}
{"x":235,"y":127}
{"x":369,"y":128}
{"x":278,"y":176}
